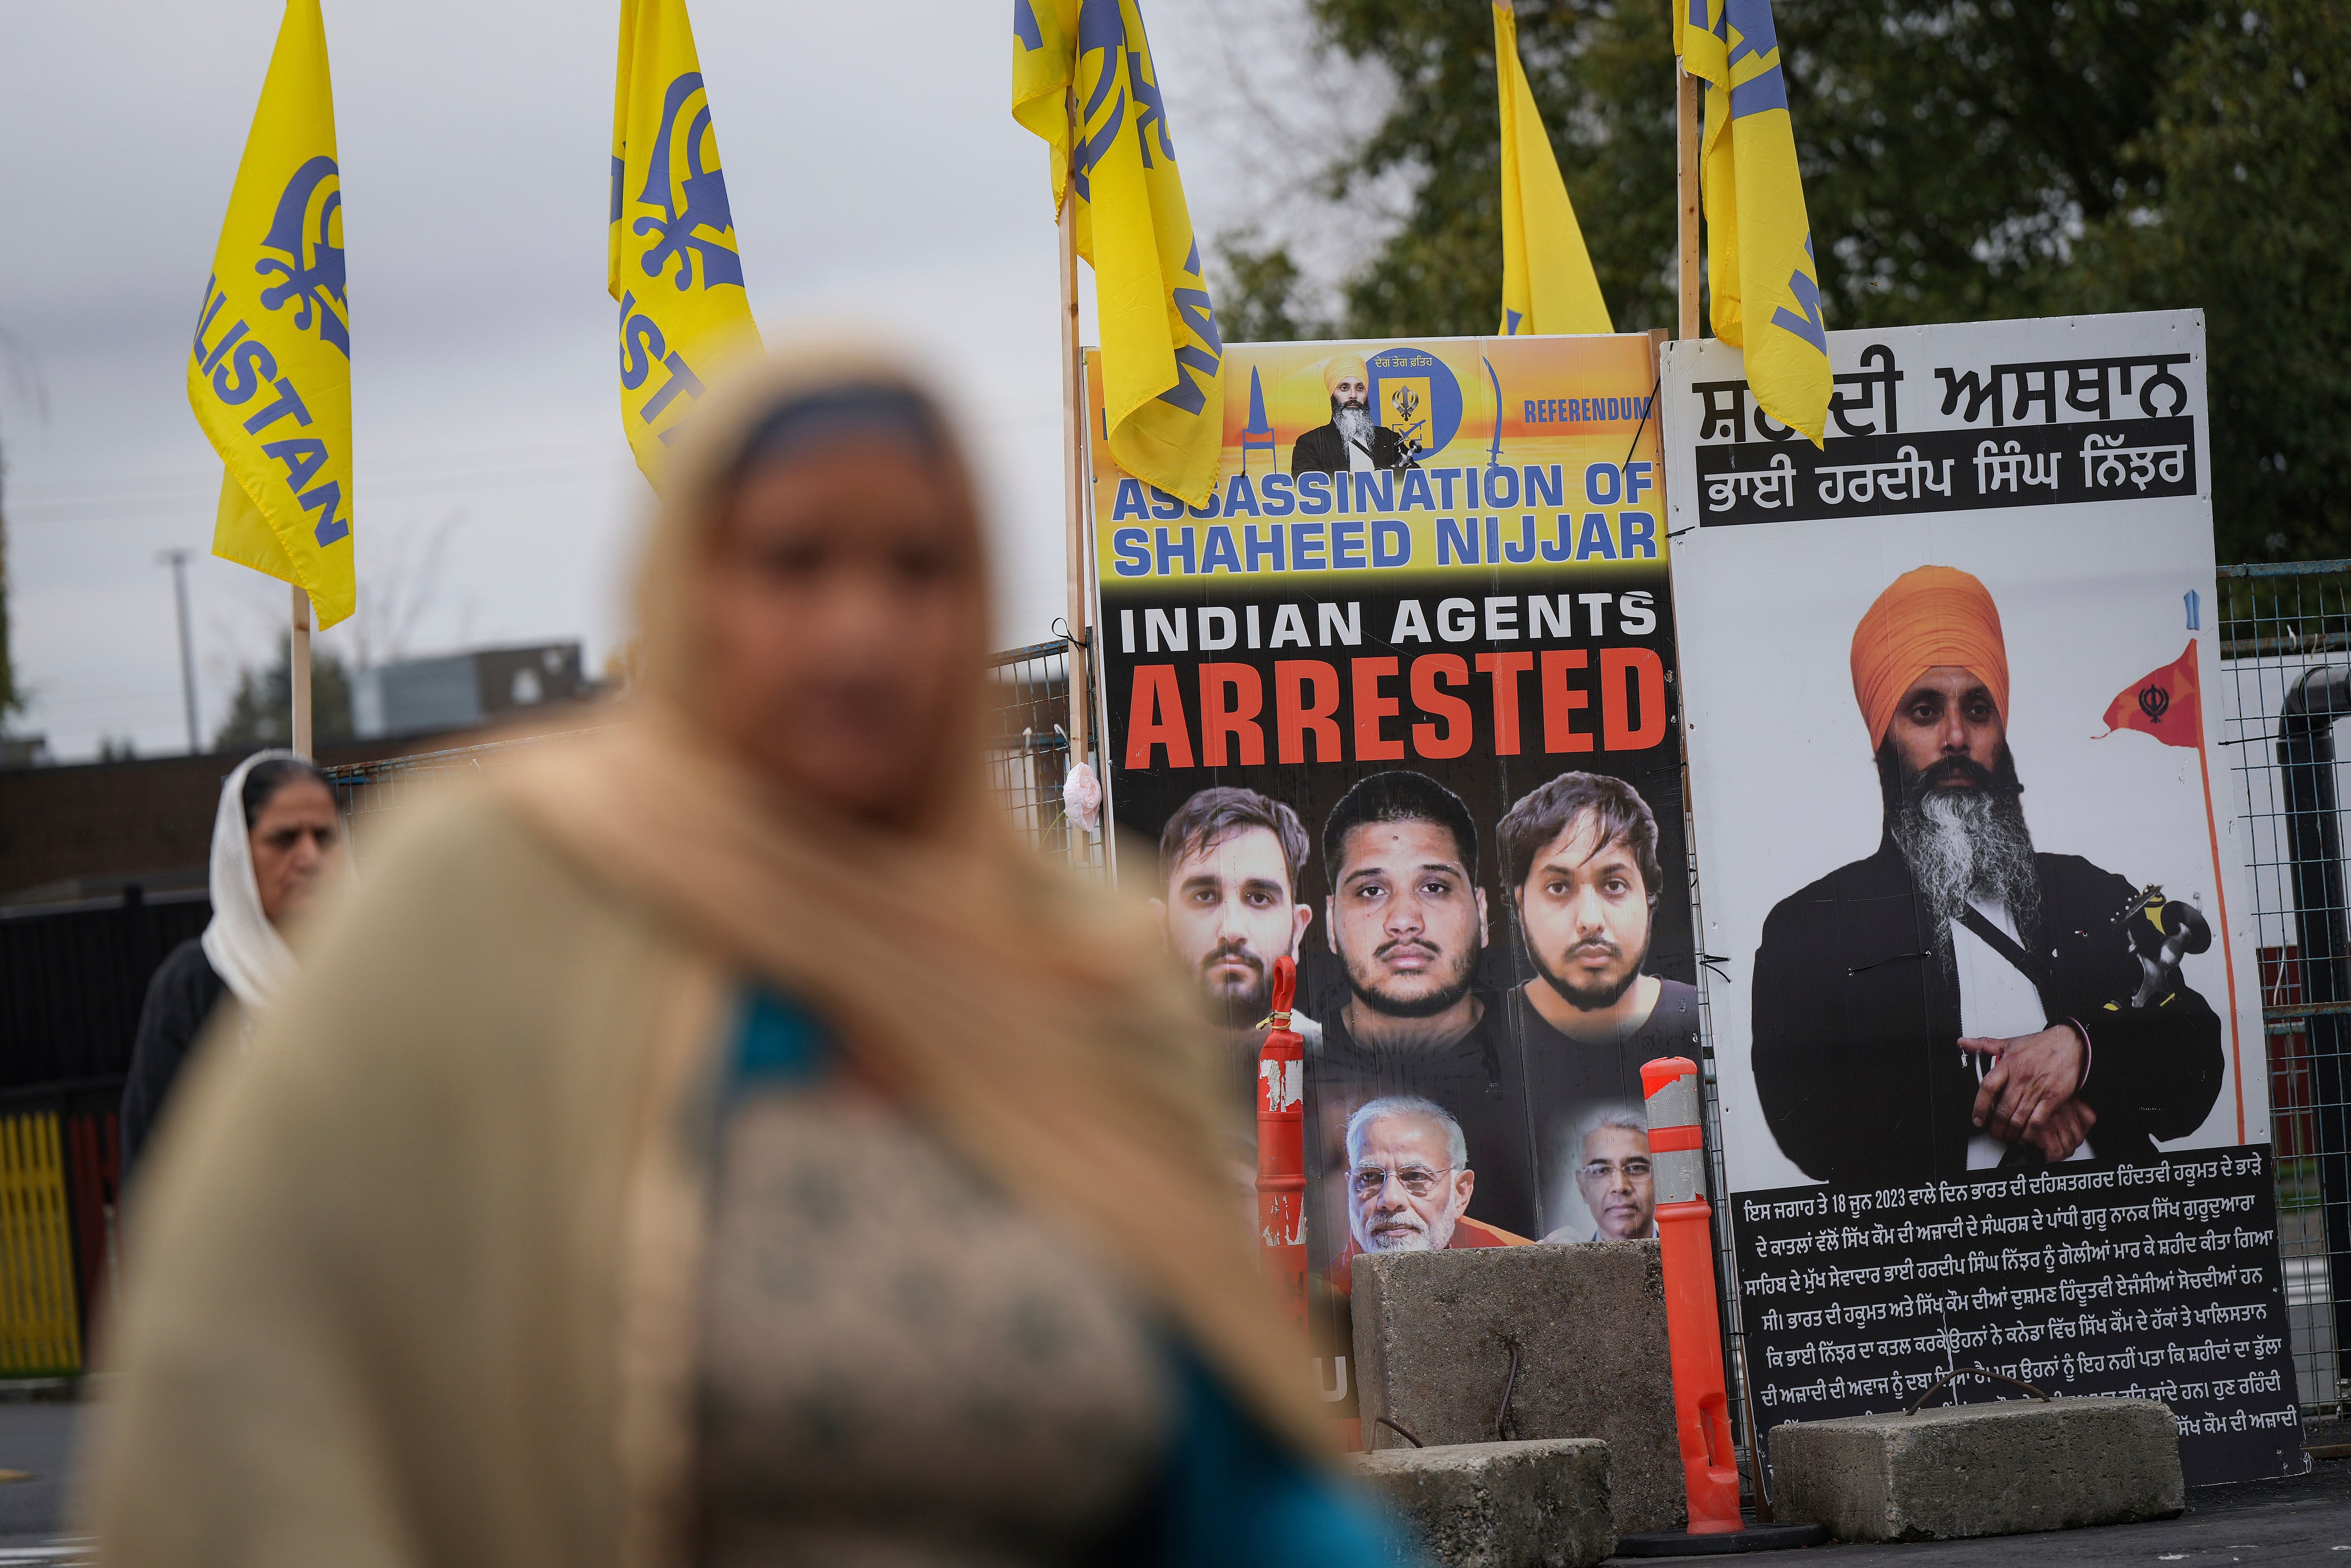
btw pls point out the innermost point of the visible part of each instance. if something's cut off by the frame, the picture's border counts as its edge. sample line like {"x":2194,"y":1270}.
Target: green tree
{"x":2251,"y":133}
{"x":1963,"y":160}
{"x":1262,"y":298}
{"x":261,"y":714}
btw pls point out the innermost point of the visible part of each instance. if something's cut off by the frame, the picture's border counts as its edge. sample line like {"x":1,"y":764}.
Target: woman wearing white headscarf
{"x":276,"y":839}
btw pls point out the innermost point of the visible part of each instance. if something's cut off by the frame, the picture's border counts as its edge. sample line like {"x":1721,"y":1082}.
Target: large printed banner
{"x":1399,"y":701}
{"x":1987,"y":1018}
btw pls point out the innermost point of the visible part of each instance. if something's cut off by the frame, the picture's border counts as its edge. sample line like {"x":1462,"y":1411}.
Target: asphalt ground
{"x":36,"y":1438}
{"x":2301,"y":1519}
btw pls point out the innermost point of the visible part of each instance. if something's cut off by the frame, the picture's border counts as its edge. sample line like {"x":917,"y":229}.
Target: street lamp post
{"x":177,"y":559}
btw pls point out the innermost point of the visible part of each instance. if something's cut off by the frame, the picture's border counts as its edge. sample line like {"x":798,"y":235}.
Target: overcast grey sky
{"x":876,"y":176}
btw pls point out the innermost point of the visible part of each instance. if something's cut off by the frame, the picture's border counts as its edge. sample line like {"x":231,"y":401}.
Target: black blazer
{"x":1857,"y":1026}
{"x":1322,"y":450}
{"x":180,"y":998}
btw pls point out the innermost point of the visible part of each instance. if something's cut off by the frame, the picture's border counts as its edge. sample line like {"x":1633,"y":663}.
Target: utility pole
{"x":177,"y":559}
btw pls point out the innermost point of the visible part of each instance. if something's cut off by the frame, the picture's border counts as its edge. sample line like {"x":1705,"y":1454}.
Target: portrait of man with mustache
{"x":1410,"y":1182}
{"x":1229,"y":860}
{"x":1580,"y":857}
{"x":1579,"y":862}
{"x":1406,"y":919}
{"x":1962,"y":999}
{"x":1354,"y":441}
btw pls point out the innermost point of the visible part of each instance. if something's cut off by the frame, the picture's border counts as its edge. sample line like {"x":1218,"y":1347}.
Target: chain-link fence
{"x":2286,"y":640}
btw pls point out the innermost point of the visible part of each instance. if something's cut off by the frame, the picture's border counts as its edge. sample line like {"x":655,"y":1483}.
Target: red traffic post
{"x":1693,"y":1321}
{"x":1282,"y":1149}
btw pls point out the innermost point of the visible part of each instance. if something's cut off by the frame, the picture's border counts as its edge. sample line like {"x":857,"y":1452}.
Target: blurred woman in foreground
{"x":276,"y":842}
{"x":720,"y":1141}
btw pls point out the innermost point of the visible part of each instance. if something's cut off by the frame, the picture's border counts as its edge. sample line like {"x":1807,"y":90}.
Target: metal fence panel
{"x":2285,"y":632}
{"x":40,"y":1330}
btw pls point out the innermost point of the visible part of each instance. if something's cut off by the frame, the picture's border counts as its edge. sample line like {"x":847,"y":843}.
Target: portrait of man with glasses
{"x":1612,"y":1175}
{"x":1410,"y":1183}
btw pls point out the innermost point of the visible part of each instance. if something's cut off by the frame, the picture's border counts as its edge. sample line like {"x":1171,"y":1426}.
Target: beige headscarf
{"x":1025,"y":1015}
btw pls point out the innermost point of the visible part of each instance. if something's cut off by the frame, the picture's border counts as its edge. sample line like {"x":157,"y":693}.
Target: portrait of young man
{"x":1354,"y":441}
{"x":1410,"y":1184}
{"x":1229,"y":860}
{"x":1613,"y":1178}
{"x":1962,"y":998}
{"x":1580,"y":854}
{"x":1408,"y":922}
{"x":1580,"y":857}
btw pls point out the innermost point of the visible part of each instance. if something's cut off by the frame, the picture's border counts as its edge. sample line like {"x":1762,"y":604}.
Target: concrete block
{"x":1980,"y":1470}
{"x":1433,"y":1338}
{"x":1539,"y":1504}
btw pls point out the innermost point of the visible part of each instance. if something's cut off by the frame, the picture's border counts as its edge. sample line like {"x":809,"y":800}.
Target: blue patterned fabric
{"x":1229,"y":1495}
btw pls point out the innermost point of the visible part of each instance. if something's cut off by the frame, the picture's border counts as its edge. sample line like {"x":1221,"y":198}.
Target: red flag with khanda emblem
{"x":2164,"y":704}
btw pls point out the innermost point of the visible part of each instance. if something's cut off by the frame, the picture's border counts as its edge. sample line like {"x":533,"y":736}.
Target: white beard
{"x":1355,"y":425}
{"x":1963,"y":845}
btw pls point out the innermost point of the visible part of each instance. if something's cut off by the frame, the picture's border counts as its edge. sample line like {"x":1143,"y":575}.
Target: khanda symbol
{"x":1126,"y":70}
{"x":305,"y":232}
{"x":1406,"y":403}
{"x":2153,"y":701}
{"x":691,"y":199}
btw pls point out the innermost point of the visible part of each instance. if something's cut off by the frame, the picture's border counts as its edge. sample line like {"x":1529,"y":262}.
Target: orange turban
{"x":1935,"y":615}
{"x":1343,"y":367}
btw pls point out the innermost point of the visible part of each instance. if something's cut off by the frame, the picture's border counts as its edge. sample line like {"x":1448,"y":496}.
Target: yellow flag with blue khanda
{"x":1548,"y":284}
{"x":1162,"y":356}
{"x":1759,"y":265}
{"x":671,"y":261}
{"x":269,"y":372}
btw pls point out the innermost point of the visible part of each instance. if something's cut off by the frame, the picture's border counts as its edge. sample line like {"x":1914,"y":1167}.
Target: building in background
{"x":464,"y":691}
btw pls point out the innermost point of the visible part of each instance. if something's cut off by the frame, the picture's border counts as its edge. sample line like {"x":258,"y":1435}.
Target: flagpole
{"x":1685,"y":151}
{"x":2221,"y":897}
{"x":1073,"y":478}
{"x":298,"y":659}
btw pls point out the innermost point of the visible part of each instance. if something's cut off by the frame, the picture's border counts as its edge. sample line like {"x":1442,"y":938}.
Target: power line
{"x":428,"y":474}
{"x":101,"y":508}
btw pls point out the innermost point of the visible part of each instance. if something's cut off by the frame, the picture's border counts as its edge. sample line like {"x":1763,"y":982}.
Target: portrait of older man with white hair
{"x":1613,"y":1177}
{"x":1409,"y":1181}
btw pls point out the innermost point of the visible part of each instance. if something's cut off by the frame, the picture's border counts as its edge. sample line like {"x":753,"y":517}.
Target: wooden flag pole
{"x":1073,"y":476}
{"x":298,"y":664}
{"x":1685,"y":151}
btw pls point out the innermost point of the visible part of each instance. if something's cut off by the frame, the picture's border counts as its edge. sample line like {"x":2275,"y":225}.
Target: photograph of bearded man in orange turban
{"x":1355,"y":439}
{"x":1960,"y":1000}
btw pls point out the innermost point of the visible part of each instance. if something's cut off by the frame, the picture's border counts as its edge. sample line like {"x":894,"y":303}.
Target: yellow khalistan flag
{"x":1759,"y":266}
{"x":269,"y":373}
{"x":1548,"y":285}
{"x":1162,"y":357}
{"x":671,"y":261}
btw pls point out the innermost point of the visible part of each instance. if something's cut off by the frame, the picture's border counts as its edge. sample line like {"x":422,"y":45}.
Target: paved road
{"x":2306,"y":1518}
{"x":36,"y":1438}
